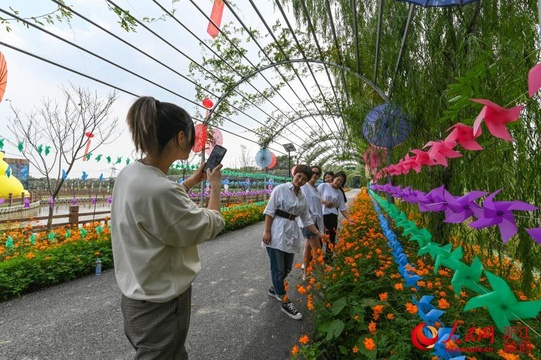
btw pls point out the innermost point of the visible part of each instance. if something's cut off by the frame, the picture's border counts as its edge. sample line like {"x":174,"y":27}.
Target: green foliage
{"x":70,"y":261}
{"x":35,"y":269}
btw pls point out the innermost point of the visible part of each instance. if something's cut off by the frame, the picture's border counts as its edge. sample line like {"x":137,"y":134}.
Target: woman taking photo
{"x":155,"y":229}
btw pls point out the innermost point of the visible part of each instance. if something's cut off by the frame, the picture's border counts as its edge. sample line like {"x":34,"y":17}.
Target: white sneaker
{"x":273,"y":294}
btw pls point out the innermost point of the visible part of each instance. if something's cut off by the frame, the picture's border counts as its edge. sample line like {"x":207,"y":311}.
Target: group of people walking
{"x":155,"y":228}
{"x":296,"y":210}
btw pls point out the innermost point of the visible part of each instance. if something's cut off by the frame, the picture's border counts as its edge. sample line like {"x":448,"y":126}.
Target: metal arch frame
{"x":291,"y":121}
{"x":290,"y":61}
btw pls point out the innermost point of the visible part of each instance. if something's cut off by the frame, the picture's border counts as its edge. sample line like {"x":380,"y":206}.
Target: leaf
{"x":338,"y":305}
{"x":335,"y":329}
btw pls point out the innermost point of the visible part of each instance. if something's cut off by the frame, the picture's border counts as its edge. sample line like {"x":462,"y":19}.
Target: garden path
{"x":232,"y":315}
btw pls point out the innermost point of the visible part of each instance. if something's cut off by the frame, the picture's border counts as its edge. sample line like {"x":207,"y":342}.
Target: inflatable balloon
{"x":8,"y":182}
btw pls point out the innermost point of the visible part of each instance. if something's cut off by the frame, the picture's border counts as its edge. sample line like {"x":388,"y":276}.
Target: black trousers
{"x":331,"y":224}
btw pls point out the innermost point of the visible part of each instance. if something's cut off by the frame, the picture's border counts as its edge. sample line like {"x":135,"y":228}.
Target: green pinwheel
{"x":467,"y":276}
{"x":410,"y":229}
{"x":502,"y":304}
{"x":423,"y":237}
{"x":435,"y":249}
{"x":445,"y":257}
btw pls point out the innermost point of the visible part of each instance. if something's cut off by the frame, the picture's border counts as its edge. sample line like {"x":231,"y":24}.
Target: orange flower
{"x":383,"y":296}
{"x":304,"y":339}
{"x":369,"y":344}
{"x":301,"y":289}
{"x":30,"y":255}
{"x":443,"y":304}
{"x":295,"y":350}
{"x":355,"y":349}
{"x":412,"y":309}
{"x":372,"y":327}
{"x":298,"y":265}
{"x":508,"y":356}
{"x":390,"y":316}
{"x":399,"y":286}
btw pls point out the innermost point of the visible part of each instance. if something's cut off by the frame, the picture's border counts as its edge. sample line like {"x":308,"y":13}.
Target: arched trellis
{"x":266,"y":141}
{"x":291,"y":61}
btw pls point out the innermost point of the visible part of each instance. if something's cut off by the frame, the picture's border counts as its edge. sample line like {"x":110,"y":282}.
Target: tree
{"x":245,"y":159}
{"x":53,"y":137}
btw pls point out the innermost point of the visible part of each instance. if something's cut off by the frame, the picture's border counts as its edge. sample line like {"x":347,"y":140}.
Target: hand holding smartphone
{"x":215,"y":158}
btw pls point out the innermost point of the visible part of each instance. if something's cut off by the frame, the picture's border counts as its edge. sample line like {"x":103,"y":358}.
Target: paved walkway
{"x":232,"y":315}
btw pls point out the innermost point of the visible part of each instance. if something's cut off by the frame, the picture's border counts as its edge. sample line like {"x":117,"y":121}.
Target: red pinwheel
{"x":462,"y":134}
{"x":461,"y":208}
{"x":495,"y":118}
{"x":200,"y":138}
{"x":500,"y":213}
{"x":439,"y":152}
{"x":89,"y":135}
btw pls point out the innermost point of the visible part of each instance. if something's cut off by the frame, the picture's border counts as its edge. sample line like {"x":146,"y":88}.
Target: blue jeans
{"x":280,"y":265}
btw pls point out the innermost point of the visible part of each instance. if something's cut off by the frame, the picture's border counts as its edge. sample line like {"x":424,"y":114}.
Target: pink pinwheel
{"x":535,"y":233}
{"x":439,"y":152}
{"x":534,"y":80}
{"x":421,"y":157}
{"x":496,"y":119}
{"x":500,"y":213}
{"x":461,"y":208}
{"x":462,"y":134}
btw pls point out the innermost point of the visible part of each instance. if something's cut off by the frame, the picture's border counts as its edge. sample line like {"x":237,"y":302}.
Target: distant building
{"x":20,"y":169}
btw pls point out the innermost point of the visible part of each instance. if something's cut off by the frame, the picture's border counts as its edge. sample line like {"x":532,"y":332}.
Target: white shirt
{"x":155,"y":229}
{"x":328,"y":193}
{"x":314,"y":205}
{"x":286,"y":235}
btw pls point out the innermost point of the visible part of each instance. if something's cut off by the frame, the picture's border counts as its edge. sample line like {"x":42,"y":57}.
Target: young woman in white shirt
{"x":155,"y":229}
{"x":332,"y":200}
{"x":312,"y":243}
{"x":282,"y":236}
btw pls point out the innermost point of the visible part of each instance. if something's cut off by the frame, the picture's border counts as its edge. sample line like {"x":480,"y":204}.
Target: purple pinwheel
{"x":435,"y":200}
{"x":461,"y":208}
{"x":535,"y":233}
{"x":500,"y":213}
{"x":26,"y":203}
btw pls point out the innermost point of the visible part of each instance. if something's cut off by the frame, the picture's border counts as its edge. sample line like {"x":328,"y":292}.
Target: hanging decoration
{"x":216,"y":17}
{"x":459,"y":209}
{"x":496,"y":118}
{"x":439,"y":3}
{"x":200,"y":138}
{"x":3,"y":76}
{"x":386,"y":126}
{"x":263,"y":158}
{"x":273,"y":162}
{"x":89,"y":135}
{"x":216,"y":138}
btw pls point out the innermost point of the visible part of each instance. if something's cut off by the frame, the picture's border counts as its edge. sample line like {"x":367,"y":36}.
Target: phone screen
{"x":215,"y":158}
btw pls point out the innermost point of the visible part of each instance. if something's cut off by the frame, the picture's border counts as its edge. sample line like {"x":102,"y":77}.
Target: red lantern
{"x":207,"y":103}
{"x":200,"y":138}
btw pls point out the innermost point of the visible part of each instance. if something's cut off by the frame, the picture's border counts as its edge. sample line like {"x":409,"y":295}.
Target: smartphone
{"x":215,"y":158}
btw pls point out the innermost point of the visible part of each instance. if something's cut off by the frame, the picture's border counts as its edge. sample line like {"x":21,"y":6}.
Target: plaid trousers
{"x":158,"y":330}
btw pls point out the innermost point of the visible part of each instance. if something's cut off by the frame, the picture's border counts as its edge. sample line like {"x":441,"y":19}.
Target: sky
{"x":31,"y":81}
